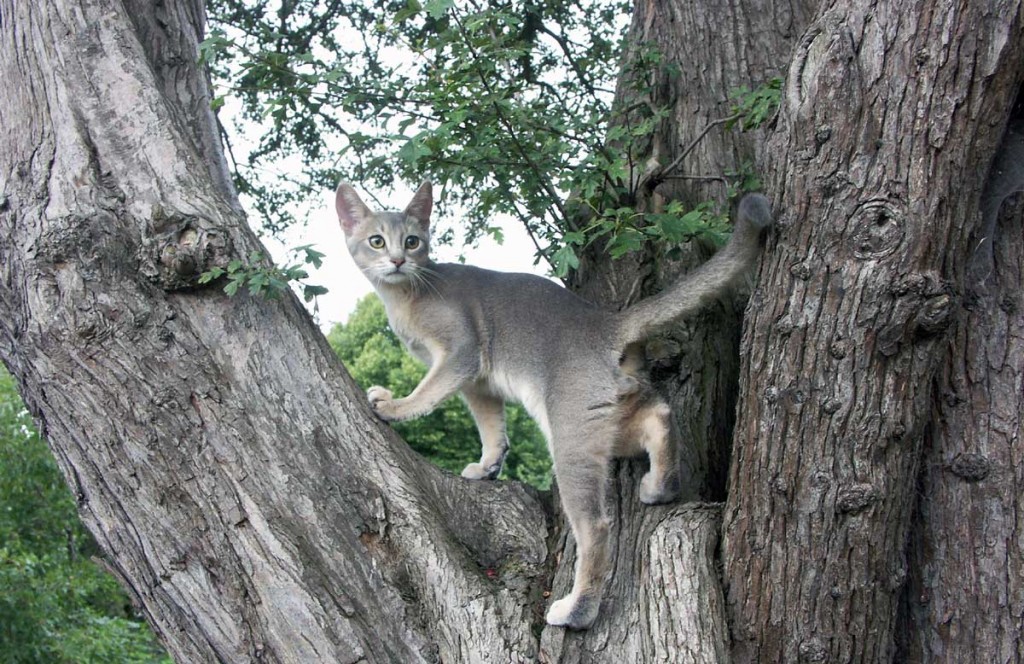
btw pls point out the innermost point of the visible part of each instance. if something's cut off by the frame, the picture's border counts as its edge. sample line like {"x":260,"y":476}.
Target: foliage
{"x":448,"y":437}
{"x":475,"y":97}
{"x":753,"y":108}
{"x":57,"y":605}
{"x":267,"y":280}
{"x":507,"y":106}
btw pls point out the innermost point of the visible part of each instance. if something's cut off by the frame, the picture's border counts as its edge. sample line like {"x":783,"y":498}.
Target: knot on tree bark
{"x":856,"y":498}
{"x":878,"y":229}
{"x":923,"y":309}
{"x":970,"y":467}
{"x":182,"y":248}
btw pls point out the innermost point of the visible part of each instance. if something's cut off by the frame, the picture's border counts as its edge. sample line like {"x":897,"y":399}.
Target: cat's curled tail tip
{"x":756,"y":210}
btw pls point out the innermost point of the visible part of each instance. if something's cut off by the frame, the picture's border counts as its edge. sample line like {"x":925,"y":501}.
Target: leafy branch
{"x":267,"y":280}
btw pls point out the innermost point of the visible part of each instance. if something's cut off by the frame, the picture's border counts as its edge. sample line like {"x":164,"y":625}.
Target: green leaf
{"x":310,"y":292}
{"x":564,"y":260}
{"x":627,"y":240}
{"x":210,"y":275}
{"x":438,"y":8}
{"x":314,"y":257}
{"x":413,"y":150}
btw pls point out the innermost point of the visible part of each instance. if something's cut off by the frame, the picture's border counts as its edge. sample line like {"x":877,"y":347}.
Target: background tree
{"x":255,"y":508}
{"x":57,"y":605}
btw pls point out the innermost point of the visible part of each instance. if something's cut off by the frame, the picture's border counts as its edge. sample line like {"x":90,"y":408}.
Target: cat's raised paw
{"x":573,"y":612}
{"x":376,"y":394}
{"x":477,"y":471}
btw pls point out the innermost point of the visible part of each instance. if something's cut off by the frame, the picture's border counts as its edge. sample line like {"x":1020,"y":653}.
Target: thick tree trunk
{"x":965,"y":599}
{"x":709,"y":50}
{"x":248,"y":499}
{"x":246,"y":495}
{"x":891,"y":115}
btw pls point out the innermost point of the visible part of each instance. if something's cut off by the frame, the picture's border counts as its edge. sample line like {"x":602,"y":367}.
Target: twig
{"x":658,"y":176}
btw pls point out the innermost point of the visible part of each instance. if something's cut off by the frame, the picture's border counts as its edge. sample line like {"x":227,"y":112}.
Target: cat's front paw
{"x":382,"y":402}
{"x":573,"y":612}
{"x":478,"y":471}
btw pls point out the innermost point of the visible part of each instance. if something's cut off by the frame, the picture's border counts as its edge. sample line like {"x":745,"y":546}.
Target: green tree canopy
{"x":508,"y":107}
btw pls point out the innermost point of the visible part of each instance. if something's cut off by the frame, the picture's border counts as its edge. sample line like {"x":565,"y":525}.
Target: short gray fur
{"x":577,"y":369}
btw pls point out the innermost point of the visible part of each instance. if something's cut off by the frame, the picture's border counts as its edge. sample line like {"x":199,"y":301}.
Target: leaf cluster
{"x":264,"y":279}
{"x":503,"y":105}
{"x":752,"y":108}
{"x":513,"y":109}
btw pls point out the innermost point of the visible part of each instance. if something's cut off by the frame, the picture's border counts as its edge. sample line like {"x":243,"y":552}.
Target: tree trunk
{"x":695,"y":367}
{"x":257,"y":511}
{"x":708,"y":51}
{"x":248,"y":499}
{"x":965,"y":598}
{"x":891,"y":115}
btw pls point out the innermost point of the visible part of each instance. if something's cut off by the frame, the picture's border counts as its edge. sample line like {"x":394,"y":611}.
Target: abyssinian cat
{"x":576,"y":368}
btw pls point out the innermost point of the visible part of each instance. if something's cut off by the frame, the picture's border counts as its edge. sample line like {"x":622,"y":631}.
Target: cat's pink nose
{"x":398,"y":262}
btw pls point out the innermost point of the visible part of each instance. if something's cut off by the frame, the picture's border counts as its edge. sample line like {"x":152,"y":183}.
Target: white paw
{"x":478,"y":471}
{"x":474,"y":471}
{"x":377,"y":394}
{"x":560,"y":611}
{"x":655,"y":489}
{"x":573,"y":612}
{"x":382,"y":402}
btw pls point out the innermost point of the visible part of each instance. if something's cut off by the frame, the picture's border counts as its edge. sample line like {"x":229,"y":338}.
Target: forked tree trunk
{"x":246,"y":496}
{"x":258,"y":512}
{"x":891,"y":115}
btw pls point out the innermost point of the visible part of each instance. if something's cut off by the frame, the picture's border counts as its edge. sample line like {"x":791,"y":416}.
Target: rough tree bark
{"x":246,"y":496}
{"x":258,"y":512}
{"x":708,"y":50}
{"x":965,"y":596}
{"x":891,"y":115}
{"x":696,"y":367}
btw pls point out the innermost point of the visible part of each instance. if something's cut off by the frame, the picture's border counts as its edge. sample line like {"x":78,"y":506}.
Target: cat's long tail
{"x":694,"y":290}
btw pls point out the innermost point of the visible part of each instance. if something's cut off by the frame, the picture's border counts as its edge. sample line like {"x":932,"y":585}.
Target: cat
{"x":576,"y":368}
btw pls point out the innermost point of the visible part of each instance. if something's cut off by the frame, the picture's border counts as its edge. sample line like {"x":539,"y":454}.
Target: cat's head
{"x":389,"y":247}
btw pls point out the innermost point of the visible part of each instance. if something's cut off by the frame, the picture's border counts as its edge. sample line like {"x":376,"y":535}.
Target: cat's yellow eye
{"x":412,"y":242}
{"x":376,"y":241}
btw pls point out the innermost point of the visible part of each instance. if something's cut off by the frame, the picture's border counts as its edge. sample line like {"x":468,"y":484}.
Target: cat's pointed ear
{"x":351,"y":209}
{"x":421,"y":204}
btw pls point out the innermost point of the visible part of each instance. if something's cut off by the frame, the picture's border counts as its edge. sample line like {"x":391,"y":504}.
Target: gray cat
{"x":577,"y":369}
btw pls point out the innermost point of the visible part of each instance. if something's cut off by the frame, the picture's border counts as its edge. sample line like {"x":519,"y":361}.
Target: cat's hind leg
{"x":581,"y":455}
{"x":650,"y":428}
{"x":489,"y":414}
